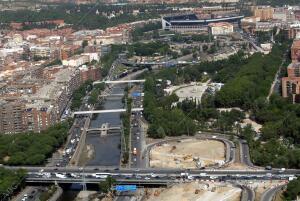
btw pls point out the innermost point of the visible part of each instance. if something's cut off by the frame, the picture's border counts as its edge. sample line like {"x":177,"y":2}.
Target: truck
{"x":203,"y":174}
{"x":184,"y":174}
{"x":61,"y":176}
{"x":101,"y":175}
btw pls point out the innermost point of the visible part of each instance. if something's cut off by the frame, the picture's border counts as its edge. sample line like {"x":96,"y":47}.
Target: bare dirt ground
{"x":194,"y":191}
{"x":238,"y":166}
{"x":186,"y":153}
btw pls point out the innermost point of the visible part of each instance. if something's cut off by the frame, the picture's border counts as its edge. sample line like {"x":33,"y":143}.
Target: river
{"x":107,"y":148}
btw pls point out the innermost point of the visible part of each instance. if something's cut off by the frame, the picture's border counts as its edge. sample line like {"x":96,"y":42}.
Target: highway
{"x":151,"y":176}
{"x":274,"y":173}
{"x":269,"y":194}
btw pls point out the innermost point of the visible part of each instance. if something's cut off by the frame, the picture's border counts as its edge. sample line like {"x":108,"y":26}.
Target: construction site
{"x":196,"y":191}
{"x":188,"y":153}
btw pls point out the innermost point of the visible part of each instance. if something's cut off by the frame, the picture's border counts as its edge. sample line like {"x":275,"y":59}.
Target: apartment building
{"x":264,"y":12}
{"x":39,"y":115}
{"x":222,"y":28}
{"x":295,"y":51}
{"x":12,"y":118}
{"x":40,"y":51}
{"x":291,"y":83}
{"x":76,"y":61}
{"x":89,"y":73}
{"x":67,"y":51}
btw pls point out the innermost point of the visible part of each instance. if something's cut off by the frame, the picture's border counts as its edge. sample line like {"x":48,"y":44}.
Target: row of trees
{"x":126,"y":116}
{"x":138,"y":32}
{"x":83,"y":16}
{"x":97,"y":88}
{"x":209,"y":118}
{"x":293,"y":190}
{"x":219,"y":71}
{"x":149,"y":49}
{"x":277,"y":2}
{"x":9,"y":181}
{"x":32,"y":148}
{"x":108,"y":59}
{"x":251,"y":81}
{"x":80,"y":93}
{"x":163,"y":118}
{"x":180,"y":38}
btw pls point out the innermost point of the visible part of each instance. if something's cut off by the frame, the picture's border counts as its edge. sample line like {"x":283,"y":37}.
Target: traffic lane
{"x":249,"y":194}
{"x":161,"y":171}
{"x":134,"y":143}
{"x":270,"y":193}
{"x":30,"y":193}
{"x":151,"y":177}
{"x":245,"y":155}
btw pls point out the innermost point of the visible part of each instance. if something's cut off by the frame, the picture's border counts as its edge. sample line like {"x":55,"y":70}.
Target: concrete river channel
{"x":107,"y":148}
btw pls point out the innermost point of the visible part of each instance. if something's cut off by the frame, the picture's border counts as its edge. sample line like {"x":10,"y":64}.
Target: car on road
{"x":269,"y":174}
{"x":281,"y":170}
{"x":268,"y":167}
{"x":147,"y":178}
{"x":190,"y":177}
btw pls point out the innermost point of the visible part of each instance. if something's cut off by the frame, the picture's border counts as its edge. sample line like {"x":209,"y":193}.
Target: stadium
{"x":190,"y":22}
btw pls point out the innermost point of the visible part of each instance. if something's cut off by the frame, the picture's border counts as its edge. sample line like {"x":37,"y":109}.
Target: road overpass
{"x":151,"y":176}
{"x":38,"y":173}
{"x":106,"y":111}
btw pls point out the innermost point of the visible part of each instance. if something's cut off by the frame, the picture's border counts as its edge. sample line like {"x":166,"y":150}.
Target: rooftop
{"x":220,"y":24}
{"x":296,"y":44}
{"x":294,"y":65}
{"x":64,"y":75}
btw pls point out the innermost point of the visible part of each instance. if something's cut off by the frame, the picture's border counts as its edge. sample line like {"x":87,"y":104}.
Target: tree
{"x":293,"y":190}
{"x":106,"y":186}
{"x":84,"y":44}
{"x":161,"y":132}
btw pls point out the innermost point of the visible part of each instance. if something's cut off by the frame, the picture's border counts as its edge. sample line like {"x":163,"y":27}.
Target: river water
{"x":107,"y":148}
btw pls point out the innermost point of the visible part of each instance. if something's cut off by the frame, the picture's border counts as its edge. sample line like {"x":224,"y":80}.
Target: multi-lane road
{"x":152,"y":176}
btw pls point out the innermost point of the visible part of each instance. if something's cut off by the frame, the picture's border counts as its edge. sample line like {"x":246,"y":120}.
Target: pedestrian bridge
{"x":104,"y":129}
{"x":118,"y":81}
{"x":106,"y":111}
